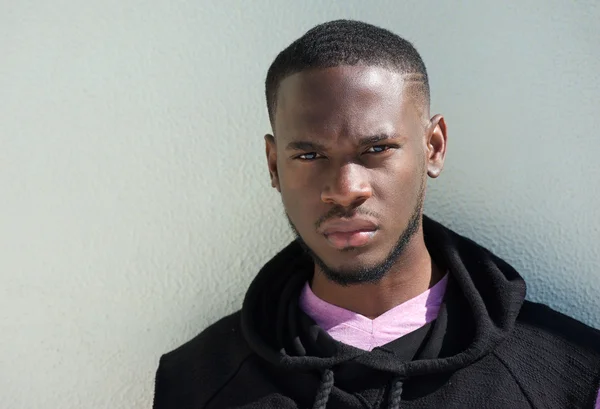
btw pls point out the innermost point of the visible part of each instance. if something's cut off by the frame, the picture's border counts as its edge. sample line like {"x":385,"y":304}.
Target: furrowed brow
{"x":370,"y":140}
{"x":305,"y":146}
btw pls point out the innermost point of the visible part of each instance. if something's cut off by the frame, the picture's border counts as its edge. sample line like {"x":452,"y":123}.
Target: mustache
{"x":341,"y":212}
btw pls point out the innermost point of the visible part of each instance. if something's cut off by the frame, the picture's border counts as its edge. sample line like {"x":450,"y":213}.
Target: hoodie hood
{"x":490,"y":291}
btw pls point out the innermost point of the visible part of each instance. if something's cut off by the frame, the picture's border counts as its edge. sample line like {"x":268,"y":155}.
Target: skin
{"x":358,"y":141}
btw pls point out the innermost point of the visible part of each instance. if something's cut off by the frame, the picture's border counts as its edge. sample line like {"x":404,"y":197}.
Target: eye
{"x":378,"y":149}
{"x":309,"y":156}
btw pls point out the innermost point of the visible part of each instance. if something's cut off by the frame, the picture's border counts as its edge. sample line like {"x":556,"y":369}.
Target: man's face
{"x":350,"y":157}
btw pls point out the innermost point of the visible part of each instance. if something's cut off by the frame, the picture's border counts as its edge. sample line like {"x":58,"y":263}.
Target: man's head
{"x":352,"y":145}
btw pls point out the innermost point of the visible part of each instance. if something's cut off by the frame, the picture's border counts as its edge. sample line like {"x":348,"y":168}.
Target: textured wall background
{"x":135,"y":202}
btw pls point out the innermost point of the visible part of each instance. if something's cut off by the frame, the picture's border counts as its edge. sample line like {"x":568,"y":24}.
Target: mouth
{"x":350,"y":239}
{"x":344,"y":233}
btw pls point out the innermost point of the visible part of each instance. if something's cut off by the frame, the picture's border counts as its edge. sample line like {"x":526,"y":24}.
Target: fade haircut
{"x":347,"y":42}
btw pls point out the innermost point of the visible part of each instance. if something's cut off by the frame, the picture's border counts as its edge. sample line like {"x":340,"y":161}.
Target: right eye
{"x":308,"y":156}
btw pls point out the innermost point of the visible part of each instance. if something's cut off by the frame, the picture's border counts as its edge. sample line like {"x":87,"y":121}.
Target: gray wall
{"x":136,"y":204}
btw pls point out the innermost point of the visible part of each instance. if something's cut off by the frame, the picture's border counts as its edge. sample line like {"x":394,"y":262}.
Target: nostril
{"x":346,"y":200}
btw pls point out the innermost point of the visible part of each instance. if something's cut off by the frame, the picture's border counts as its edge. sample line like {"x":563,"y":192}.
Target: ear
{"x":271,"y":150}
{"x":437,"y":138}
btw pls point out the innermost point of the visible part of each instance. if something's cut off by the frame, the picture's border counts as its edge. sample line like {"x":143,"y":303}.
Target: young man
{"x":374,"y":305}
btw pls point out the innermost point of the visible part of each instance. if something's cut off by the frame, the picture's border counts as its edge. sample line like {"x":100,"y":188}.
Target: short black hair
{"x":345,"y":42}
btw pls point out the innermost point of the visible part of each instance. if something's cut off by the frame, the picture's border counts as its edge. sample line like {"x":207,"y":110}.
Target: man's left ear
{"x":437,"y":138}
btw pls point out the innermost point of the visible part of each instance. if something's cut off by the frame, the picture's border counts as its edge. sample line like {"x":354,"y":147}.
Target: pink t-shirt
{"x":364,"y":333}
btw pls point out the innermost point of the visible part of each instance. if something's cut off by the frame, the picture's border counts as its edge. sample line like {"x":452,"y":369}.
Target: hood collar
{"x":492,"y":290}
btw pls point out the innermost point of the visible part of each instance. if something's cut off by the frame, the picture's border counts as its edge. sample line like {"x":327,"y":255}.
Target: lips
{"x":344,"y":233}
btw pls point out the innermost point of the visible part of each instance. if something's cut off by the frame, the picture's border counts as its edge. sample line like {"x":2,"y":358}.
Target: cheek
{"x":300,"y":181}
{"x":299,"y":193}
{"x":398,"y":189}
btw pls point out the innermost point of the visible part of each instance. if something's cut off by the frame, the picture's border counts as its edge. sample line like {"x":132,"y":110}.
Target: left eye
{"x":378,"y":149}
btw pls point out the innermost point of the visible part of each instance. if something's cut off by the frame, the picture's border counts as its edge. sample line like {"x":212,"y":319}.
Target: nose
{"x":348,"y":186}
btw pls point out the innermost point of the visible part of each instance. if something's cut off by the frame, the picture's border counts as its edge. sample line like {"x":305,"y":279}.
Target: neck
{"x":413,"y":273}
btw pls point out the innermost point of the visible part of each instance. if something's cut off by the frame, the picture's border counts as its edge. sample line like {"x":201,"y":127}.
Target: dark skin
{"x":358,"y":138}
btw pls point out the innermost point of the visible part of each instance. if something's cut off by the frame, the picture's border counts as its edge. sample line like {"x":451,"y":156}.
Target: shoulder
{"x":554,"y":357}
{"x":190,"y":374}
{"x":224,"y":336}
{"x":542,"y":323}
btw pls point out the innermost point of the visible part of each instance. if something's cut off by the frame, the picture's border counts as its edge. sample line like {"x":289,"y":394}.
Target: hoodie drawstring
{"x":395,"y":393}
{"x":324,"y":390}
{"x":326,"y":386}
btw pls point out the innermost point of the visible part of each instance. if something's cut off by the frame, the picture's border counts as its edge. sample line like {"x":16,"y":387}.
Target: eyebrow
{"x":305,"y":146}
{"x":310,"y":146}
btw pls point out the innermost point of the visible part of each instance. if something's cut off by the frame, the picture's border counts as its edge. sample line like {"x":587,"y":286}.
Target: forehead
{"x":345,"y":96}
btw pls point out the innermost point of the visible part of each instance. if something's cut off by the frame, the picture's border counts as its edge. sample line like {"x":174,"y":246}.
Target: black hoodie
{"x":488,"y":348}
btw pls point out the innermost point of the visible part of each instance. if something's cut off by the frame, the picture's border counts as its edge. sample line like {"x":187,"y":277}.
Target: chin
{"x":352,"y":259}
{"x":358,"y":265}
{"x":346,"y":274}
